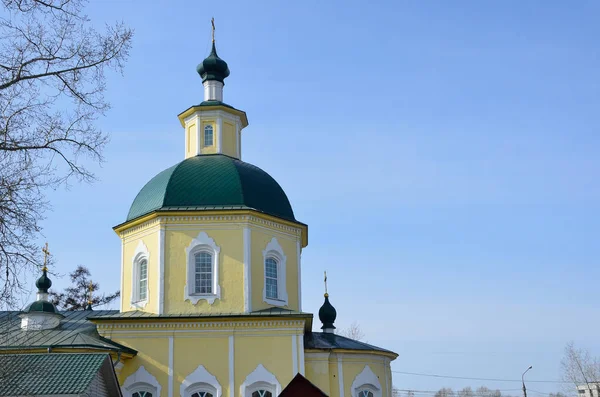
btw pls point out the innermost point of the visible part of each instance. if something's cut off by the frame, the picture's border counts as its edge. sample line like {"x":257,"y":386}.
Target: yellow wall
{"x":153,"y":354}
{"x":317,"y":367}
{"x":204,"y":149}
{"x":191,"y":140}
{"x":229,"y":140}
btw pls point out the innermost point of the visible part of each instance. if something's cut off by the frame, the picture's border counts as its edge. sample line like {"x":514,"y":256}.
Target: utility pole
{"x":523,"y":380}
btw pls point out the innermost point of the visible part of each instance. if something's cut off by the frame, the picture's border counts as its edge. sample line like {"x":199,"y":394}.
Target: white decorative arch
{"x":260,"y":378}
{"x":197,"y":380}
{"x":275,"y":251}
{"x":141,"y":252}
{"x":202,"y":243}
{"x":141,"y":380}
{"x":366,"y":380}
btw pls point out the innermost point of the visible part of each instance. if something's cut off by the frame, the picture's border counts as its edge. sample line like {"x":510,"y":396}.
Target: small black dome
{"x":327,"y":314}
{"x":213,"y":67}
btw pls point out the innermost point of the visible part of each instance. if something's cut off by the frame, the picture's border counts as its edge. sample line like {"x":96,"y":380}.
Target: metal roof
{"x":49,"y":374}
{"x":74,"y":331}
{"x":328,"y":341}
{"x":138,"y":314}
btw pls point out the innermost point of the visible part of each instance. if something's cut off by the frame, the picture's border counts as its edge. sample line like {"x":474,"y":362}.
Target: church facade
{"x":211,"y":293}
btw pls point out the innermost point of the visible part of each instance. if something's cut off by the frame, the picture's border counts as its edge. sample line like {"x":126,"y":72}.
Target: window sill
{"x":139,"y":304}
{"x":195,"y":298}
{"x":275,"y":302}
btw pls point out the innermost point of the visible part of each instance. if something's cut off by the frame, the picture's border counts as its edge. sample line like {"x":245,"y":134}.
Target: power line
{"x":483,"y":379}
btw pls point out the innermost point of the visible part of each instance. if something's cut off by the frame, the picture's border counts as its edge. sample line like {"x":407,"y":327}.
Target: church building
{"x":211,"y":291}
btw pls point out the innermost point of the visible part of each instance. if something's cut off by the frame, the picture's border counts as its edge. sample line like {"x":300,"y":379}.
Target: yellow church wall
{"x":354,"y":364}
{"x":192,"y":140}
{"x":260,"y":237}
{"x":231,"y":272}
{"x":148,"y":236}
{"x":153,"y":354}
{"x":229,"y":146}
{"x":317,"y":370}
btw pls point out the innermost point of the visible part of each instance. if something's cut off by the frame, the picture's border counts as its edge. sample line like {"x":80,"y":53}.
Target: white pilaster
{"x":161,"y":270}
{"x":340,"y":375}
{"x":170,"y":391}
{"x":198,"y":135}
{"x":219,"y":135}
{"x":247,"y":271}
{"x":294,"y":355}
{"x":238,"y":136}
{"x":122,"y":278}
{"x":301,"y":340}
{"x":299,"y":260}
{"x":231,"y":368}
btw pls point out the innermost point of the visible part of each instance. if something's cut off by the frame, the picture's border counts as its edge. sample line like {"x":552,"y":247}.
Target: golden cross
{"x":326,"y":294}
{"x":212,"y":21}
{"x":46,"y":255}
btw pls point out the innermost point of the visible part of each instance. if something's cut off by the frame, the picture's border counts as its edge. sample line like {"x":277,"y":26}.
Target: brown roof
{"x":301,"y":387}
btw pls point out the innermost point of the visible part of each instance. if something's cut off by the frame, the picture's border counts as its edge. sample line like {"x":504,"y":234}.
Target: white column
{"x":219,"y":134}
{"x":122,"y":278}
{"x":299,"y":259}
{"x":231,"y":368}
{"x":247,"y":271}
{"x":170,"y":392}
{"x":161,"y":270}
{"x":340,"y":375}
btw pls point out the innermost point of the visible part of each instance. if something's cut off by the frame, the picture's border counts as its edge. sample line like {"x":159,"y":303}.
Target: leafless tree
{"x":81,"y":292}
{"x":353,"y":332}
{"x":444,"y":392}
{"x":465,"y":392}
{"x":580,"y":369}
{"x":52,"y":84}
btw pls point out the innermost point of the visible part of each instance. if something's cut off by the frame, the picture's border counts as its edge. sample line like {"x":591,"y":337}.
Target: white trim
{"x":231,"y":368}
{"x":170,"y":391}
{"x":219,"y":135}
{"x":299,"y":260}
{"x":141,"y":252}
{"x":199,"y":132}
{"x":202,"y":243}
{"x":301,"y":340}
{"x":139,"y":379}
{"x":122,"y":274}
{"x":161,"y":270}
{"x":197,"y":379}
{"x":340,"y":375}
{"x":238,"y":138}
{"x":247,"y":270}
{"x":294,"y":355}
{"x":274,"y":250}
{"x":366,"y":379}
{"x":260,"y":378}
{"x":387,"y":381}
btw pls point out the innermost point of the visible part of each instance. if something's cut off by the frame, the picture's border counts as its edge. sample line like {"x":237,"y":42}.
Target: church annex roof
{"x":55,"y":374}
{"x":138,"y":314}
{"x":74,"y":331}
{"x":329,"y":341}
{"x":212,"y":182}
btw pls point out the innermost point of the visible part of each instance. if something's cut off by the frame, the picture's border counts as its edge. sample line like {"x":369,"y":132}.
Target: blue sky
{"x":443,"y":154}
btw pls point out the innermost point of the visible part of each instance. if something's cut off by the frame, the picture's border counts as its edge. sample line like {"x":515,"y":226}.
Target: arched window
{"x":366,"y":384}
{"x":271,"y":279}
{"x":143,"y":283}
{"x":208,"y":135}
{"x":142,"y":394}
{"x":202,"y":394}
{"x":274,"y":291}
{"x":200,"y":383}
{"x":203,"y":272}
{"x":202,"y":280}
{"x":365,"y":393}
{"x":262,"y":393}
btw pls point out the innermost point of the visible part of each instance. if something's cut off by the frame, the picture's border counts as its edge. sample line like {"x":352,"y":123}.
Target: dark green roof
{"x":138,"y":314}
{"x":213,"y":67}
{"x":49,"y":374}
{"x":74,"y":331}
{"x":41,"y":306}
{"x":212,"y":182}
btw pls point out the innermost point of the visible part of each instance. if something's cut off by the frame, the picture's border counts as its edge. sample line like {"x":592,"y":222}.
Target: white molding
{"x":301,"y":341}
{"x":274,"y":250}
{"x":219,"y":134}
{"x":299,"y":260}
{"x":238,"y":138}
{"x":197,"y":379}
{"x":141,"y":252}
{"x":386,"y":363}
{"x":340,"y":375}
{"x":139,"y":379}
{"x":171,"y":368}
{"x":122,"y":273}
{"x":294,"y":355}
{"x":231,"y":368}
{"x":260,"y":377}
{"x":247,"y":270}
{"x":200,"y":243}
{"x":161,"y":270}
{"x":366,"y":379}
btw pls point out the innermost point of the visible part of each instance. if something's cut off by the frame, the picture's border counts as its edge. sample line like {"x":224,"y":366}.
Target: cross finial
{"x":90,"y":289}
{"x":46,"y":255}
{"x":212,"y":21}
{"x":325,"y":280}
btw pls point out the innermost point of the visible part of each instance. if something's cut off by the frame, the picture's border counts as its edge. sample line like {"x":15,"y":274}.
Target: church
{"x":211,"y":291}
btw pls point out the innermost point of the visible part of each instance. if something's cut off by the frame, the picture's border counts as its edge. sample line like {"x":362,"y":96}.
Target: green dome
{"x":212,"y":182}
{"x":213,"y":67}
{"x":327,"y":314}
{"x":41,"y":306}
{"x":43,"y":283}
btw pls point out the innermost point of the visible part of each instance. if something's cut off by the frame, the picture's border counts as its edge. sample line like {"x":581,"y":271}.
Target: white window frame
{"x":141,"y":253}
{"x":212,"y":130}
{"x":202,"y":243}
{"x":200,"y":380}
{"x":260,"y":379}
{"x":366,"y":380}
{"x":141,"y":380}
{"x":275,"y":251}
